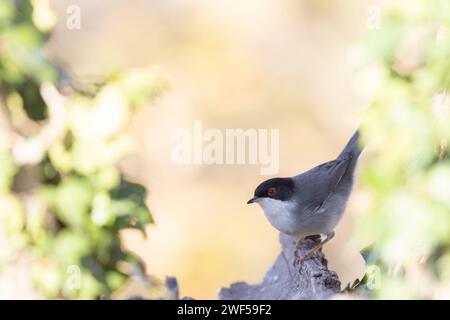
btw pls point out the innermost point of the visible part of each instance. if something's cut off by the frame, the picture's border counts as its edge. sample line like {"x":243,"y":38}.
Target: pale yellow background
{"x":231,"y":64}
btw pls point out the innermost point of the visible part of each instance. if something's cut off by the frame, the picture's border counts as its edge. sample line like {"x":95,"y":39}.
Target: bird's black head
{"x":276,"y":188}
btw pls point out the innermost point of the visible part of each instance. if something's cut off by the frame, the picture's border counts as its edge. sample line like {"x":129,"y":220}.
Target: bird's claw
{"x":298,"y":261}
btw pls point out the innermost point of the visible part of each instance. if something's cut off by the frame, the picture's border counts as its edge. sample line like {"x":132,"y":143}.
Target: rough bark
{"x":283,"y":281}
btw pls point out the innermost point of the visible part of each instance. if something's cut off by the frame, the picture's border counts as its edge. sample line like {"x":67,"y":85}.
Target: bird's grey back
{"x":336,"y":176}
{"x":322,"y":192}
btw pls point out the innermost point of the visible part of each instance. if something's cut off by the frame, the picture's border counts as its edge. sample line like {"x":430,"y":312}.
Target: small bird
{"x":313,"y":202}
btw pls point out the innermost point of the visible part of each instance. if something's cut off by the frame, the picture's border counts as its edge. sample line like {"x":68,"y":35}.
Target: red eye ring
{"x":272,"y":191}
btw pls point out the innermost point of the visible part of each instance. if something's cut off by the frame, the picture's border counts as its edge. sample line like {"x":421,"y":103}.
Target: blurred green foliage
{"x":63,"y":199}
{"x":407,"y":173}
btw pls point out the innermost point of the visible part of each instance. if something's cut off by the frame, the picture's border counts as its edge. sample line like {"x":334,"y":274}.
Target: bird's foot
{"x":298,"y":261}
{"x":297,"y":258}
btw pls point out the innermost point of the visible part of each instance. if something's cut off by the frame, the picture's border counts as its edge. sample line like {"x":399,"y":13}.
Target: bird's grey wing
{"x":318,"y":183}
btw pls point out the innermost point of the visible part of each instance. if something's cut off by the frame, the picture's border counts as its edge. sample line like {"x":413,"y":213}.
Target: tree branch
{"x":311,"y":280}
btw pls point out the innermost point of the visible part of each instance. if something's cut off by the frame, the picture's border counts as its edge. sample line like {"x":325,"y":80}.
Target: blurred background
{"x":291,"y":65}
{"x":230,"y":64}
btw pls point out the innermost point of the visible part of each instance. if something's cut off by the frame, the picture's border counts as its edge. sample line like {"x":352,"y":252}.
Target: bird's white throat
{"x":280,"y":214}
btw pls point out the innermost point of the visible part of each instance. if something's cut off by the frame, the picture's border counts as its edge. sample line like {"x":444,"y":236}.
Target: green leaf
{"x":70,"y":247}
{"x":73,"y":201}
{"x":128,"y":203}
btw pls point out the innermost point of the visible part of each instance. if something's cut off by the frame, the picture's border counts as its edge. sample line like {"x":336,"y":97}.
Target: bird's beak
{"x":254,"y":199}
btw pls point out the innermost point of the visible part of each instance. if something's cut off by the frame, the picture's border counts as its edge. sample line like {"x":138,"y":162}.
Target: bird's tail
{"x":352,"y":147}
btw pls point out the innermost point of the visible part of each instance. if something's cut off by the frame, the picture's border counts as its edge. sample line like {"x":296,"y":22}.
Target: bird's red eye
{"x":272,"y":191}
